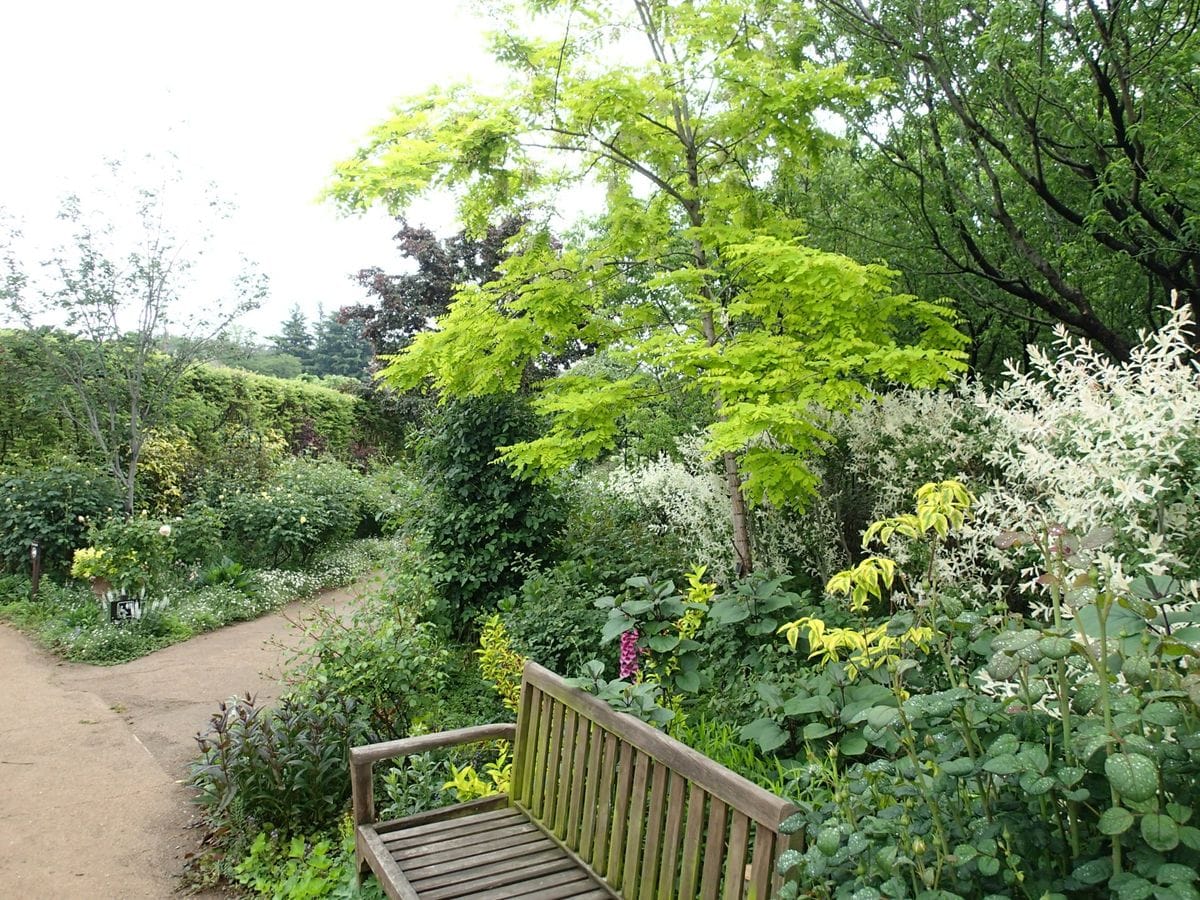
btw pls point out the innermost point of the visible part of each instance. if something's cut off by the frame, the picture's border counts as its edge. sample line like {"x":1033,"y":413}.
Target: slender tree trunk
{"x":733,"y":479}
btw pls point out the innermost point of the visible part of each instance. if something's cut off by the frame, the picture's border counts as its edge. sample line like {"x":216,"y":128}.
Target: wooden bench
{"x":600,"y":805}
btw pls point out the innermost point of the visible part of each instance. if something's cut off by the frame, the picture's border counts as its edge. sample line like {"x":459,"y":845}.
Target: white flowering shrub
{"x":685,"y":496}
{"x":901,"y":440}
{"x":1083,"y":443}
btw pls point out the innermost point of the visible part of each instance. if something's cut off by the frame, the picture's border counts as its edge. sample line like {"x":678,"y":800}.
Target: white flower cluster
{"x":1083,"y":443}
{"x":687,"y":497}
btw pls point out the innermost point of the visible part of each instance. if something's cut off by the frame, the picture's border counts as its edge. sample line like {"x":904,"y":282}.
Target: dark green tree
{"x":1039,"y":159}
{"x":294,"y":338}
{"x":339,"y":349}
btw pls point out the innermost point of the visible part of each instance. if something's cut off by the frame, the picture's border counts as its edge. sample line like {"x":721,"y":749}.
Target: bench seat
{"x":600,"y":805}
{"x":491,"y":855}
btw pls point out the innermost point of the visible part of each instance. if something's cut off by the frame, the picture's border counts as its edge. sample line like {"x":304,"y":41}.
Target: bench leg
{"x":361,"y":867}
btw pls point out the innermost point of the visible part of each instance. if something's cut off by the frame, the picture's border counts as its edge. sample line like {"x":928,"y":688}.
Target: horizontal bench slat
{"x":409,"y":855}
{"x":486,"y":855}
{"x":554,"y":886}
{"x":495,"y":875}
{"x":431,"y":831}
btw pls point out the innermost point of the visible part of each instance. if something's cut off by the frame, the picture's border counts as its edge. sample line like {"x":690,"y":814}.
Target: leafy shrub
{"x":1043,"y":772}
{"x":1083,"y":443}
{"x":388,"y":664}
{"x":284,"y":766}
{"x":134,"y":555}
{"x":165,"y":466}
{"x":197,"y":534}
{"x":481,"y":517}
{"x":237,"y":458}
{"x":499,"y":664}
{"x":605,"y":541}
{"x":308,"y":504}
{"x":416,"y":785}
{"x":304,"y":867}
{"x":54,"y":506}
{"x":230,"y":573}
{"x":554,"y":620}
{"x":396,"y":499}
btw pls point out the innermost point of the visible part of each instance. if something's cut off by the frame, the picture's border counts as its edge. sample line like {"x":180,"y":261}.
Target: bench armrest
{"x":363,"y":759}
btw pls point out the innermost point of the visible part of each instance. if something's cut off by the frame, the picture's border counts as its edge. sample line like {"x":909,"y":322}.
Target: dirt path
{"x":92,"y":760}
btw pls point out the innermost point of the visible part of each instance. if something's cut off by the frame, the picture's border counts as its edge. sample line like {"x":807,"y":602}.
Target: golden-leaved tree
{"x":692,"y":277}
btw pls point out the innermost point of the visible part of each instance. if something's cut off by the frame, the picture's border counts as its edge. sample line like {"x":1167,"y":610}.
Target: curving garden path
{"x":93,"y":760}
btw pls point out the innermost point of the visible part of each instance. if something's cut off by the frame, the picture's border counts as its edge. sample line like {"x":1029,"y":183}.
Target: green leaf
{"x":1160,"y":832}
{"x":1094,"y":871}
{"x":880,"y":717}
{"x":1129,"y":886}
{"x":816,"y":730}
{"x":688,"y":682}
{"x":959,"y":767}
{"x":803,"y":705}
{"x":1133,"y":775}
{"x":637,"y":607}
{"x":1005,"y":764}
{"x":1115,"y":821}
{"x":618,"y":623}
{"x":1174,"y":873}
{"x":662,"y":643}
{"x":852,"y":745}
{"x":1162,"y":713}
{"x":766,"y":733}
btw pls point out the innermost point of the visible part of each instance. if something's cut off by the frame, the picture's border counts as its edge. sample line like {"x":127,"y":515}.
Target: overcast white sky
{"x":260,"y":97}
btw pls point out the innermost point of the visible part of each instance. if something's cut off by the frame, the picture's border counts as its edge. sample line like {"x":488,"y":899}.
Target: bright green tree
{"x":691,"y":274}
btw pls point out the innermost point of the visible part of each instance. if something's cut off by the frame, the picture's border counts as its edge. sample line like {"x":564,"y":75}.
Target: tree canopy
{"x":691,"y":272}
{"x":1037,"y":160}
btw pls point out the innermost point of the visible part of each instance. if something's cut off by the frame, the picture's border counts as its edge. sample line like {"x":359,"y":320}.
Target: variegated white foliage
{"x":1083,"y":442}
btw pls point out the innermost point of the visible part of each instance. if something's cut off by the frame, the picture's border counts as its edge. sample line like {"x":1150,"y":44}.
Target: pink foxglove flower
{"x":629,"y":654}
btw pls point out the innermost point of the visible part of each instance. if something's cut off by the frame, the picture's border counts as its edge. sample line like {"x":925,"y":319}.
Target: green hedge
{"x":213,"y":397}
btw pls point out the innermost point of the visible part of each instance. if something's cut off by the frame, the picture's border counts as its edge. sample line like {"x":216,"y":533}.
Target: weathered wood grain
{"x":601,"y":806}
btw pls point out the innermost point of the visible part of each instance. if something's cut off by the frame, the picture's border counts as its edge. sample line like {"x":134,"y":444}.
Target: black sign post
{"x":35,"y":559}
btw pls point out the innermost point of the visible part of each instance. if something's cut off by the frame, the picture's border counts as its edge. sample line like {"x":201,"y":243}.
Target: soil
{"x":93,"y":760}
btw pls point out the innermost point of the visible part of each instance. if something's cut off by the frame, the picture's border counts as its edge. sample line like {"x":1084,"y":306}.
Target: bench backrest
{"x":649,"y":815}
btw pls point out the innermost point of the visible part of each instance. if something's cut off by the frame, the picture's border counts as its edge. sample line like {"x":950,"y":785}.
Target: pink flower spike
{"x":629,"y":654}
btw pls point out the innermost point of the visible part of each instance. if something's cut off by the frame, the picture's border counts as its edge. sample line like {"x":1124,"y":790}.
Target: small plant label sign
{"x":124,"y":609}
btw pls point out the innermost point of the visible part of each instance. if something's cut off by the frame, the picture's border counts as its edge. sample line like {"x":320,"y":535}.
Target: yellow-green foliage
{"x":499,"y":663}
{"x":467,"y":784}
{"x":90,"y":563}
{"x":167,"y":457}
{"x":940,"y":507}
{"x":699,"y":594}
{"x":867,"y":649}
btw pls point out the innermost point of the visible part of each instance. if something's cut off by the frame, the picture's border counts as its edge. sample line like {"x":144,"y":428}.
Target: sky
{"x":261,"y":98}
